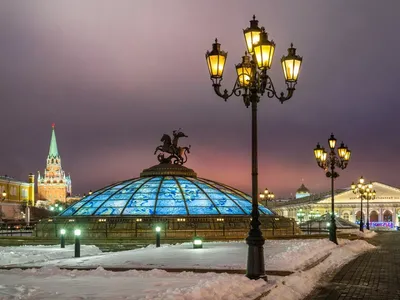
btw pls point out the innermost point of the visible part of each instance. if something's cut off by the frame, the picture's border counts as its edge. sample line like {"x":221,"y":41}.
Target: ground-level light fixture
{"x":77,"y":233}
{"x":62,"y":237}
{"x":158,"y":236}
{"x":197,"y":243}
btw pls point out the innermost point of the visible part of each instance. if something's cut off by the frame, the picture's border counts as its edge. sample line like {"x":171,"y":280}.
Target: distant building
{"x":302,"y":191}
{"x":54,"y":185}
{"x":13,"y":193}
{"x":382,"y":211}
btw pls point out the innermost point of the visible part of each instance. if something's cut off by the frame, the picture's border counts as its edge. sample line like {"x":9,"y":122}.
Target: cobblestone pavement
{"x":373,"y":275}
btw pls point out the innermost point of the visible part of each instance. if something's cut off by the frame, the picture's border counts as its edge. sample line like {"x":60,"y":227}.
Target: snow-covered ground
{"x":50,"y":282}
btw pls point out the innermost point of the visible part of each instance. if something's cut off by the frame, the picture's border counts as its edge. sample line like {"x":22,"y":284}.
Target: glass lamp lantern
{"x":332,"y":142}
{"x":216,"y":59}
{"x":244,"y":71}
{"x":291,"y":64}
{"x":264,"y":51}
{"x":252,"y":34}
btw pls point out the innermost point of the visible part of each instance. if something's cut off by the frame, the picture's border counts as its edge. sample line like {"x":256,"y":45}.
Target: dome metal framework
{"x":165,"y":195}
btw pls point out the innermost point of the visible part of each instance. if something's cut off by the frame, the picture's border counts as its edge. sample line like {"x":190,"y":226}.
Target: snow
{"x":51,"y":282}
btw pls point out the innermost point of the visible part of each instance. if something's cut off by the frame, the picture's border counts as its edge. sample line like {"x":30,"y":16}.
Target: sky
{"x":114,"y":76}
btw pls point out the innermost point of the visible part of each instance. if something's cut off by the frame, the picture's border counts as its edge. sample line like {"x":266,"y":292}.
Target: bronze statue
{"x":178,"y":154}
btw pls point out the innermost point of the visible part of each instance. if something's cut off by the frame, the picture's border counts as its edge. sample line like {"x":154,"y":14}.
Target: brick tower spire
{"x":54,"y":185}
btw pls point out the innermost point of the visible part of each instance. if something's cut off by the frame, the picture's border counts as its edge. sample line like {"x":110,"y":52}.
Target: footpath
{"x":374,"y":275}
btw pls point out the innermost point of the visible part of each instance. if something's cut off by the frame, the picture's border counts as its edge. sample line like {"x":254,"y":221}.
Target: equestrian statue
{"x":170,"y":146}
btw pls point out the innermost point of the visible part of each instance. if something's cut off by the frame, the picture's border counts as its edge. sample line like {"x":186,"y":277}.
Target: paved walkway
{"x":374,"y":275}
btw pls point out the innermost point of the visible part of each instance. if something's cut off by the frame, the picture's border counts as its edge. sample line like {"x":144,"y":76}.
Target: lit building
{"x":13,"y":193}
{"x":17,"y":191}
{"x":54,"y":185}
{"x":384,"y":210}
{"x":302,"y":191}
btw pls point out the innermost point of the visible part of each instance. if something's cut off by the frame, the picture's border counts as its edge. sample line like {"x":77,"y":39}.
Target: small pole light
{"x":197,"y":243}
{"x":77,"y":233}
{"x":158,"y":230}
{"x":62,"y":237}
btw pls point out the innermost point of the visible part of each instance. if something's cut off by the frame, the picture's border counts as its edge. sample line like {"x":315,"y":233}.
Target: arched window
{"x":387,"y":216}
{"x":358,"y":216}
{"x":373,"y":216}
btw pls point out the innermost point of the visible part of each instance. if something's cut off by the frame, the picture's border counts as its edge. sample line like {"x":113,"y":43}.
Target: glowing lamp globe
{"x":216,"y":59}
{"x":291,"y":64}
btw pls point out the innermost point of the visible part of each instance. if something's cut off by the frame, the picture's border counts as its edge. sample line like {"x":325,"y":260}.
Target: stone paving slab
{"x":374,"y":275}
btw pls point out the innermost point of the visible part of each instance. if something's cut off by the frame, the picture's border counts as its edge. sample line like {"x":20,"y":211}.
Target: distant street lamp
{"x":158,"y":238}
{"x":77,"y":233}
{"x":251,"y":83}
{"x":266,"y":196}
{"x":90,"y":192}
{"x":62,"y":237}
{"x":300,"y":215}
{"x":4,"y":194}
{"x":329,"y":163}
{"x":365,"y":192}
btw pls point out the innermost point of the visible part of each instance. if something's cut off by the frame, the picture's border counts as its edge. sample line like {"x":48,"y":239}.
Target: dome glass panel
{"x":165,"y":196}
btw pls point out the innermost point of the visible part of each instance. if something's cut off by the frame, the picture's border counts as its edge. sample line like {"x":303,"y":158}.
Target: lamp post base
{"x":255,"y":256}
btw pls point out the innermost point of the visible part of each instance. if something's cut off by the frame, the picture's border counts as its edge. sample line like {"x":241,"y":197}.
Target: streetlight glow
{"x":77,"y":232}
{"x":63,"y":231}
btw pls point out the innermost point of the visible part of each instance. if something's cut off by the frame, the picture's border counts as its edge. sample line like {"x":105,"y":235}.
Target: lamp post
{"x":329,"y":162}
{"x":300,"y":215}
{"x":266,"y":196}
{"x":4,"y":194}
{"x":77,"y":233}
{"x":62,"y":237}
{"x":365,"y":192}
{"x":252,"y":82}
{"x":158,"y":230}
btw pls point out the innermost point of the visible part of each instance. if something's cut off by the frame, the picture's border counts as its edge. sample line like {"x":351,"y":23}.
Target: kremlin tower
{"x":54,"y":185}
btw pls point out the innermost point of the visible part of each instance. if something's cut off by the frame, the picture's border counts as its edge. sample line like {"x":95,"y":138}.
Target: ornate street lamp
{"x":4,"y":194}
{"x":300,"y":215}
{"x":266,"y":196}
{"x":329,"y":162}
{"x":251,"y":83}
{"x":365,"y":192}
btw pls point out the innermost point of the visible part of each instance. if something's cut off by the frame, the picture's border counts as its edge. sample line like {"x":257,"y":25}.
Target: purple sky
{"x":115,"y":75}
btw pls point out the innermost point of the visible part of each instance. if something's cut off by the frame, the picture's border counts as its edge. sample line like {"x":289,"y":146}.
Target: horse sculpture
{"x":178,"y":155}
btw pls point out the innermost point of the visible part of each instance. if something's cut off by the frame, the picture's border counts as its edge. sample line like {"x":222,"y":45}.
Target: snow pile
{"x":53,"y":283}
{"x":299,"y":284}
{"x":367,"y":234}
{"x":37,"y":254}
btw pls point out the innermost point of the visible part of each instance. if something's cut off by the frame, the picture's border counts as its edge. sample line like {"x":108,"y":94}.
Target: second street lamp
{"x":252,"y":82}
{"x":365,"y":192}
{"x":266,"y":197}
{"x":329,"y":162}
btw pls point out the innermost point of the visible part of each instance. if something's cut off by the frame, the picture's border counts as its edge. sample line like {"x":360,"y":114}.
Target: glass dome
{"x":165,"y":196}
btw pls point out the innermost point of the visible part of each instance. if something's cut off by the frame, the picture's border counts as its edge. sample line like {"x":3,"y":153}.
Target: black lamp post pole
{"x":367,"y":225}
{"x":255,"y":240}
{"x":332,"y":228}
{"x":361,"y":214}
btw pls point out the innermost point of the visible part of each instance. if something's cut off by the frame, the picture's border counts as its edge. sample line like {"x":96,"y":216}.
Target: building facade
{"x":17,"y":191}
{"x":53,"y":185}
{"x":384,"y":210}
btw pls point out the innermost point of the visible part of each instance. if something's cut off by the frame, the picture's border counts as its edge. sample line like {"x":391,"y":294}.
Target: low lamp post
{"x":300,"y":215}
{"x":62,"y":237}
{"x":365,"y":192}
{"x":197,"y":243}
{"x":158,"y":237}
{"x":329,"y":162}
{"x":77,"y":233}
{"x":266,"y":196}
{"x":252,"y":82}
{"x":4,"y":194}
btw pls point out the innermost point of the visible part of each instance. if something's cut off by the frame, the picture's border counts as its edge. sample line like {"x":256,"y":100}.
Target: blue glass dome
{"x":165,"y":195}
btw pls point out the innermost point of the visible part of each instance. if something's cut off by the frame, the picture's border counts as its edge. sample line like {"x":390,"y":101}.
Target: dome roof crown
{"x":303,"y":190}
